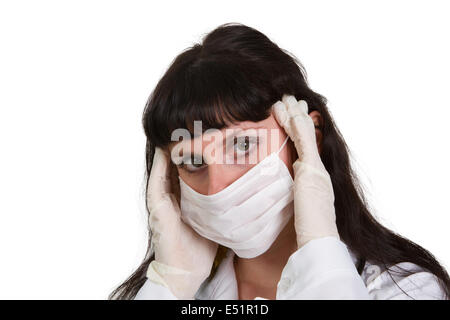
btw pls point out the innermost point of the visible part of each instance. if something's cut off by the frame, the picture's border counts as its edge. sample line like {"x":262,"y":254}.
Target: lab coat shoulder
{"x":403,"y":281}
{"x":325,"y":269}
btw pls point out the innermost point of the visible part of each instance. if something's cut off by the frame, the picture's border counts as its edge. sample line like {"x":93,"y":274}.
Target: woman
{"x":221,"y":231}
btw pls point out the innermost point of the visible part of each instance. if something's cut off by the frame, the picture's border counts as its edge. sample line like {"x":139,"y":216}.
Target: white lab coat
{"x":322,"y":269}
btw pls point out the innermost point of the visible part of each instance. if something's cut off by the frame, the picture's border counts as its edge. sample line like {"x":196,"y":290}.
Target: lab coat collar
{"x":223,"y":286}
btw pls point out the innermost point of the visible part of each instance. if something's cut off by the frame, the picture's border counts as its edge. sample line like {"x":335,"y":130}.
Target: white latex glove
{"x":183,"y":259}
{"x":313,"y":191}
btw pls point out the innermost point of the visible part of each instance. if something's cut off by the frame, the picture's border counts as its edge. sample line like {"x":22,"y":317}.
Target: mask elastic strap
{"x":281,"y":148}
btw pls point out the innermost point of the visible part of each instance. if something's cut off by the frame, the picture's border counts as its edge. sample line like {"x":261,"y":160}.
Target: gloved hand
{"x":313,"y":191}
{"x":183,"y":259}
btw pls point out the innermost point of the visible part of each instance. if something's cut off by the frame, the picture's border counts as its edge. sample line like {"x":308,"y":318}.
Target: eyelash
{"x":253,"y":141}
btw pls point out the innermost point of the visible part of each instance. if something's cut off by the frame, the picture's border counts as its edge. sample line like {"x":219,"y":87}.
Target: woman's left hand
{"x":313,"y":191}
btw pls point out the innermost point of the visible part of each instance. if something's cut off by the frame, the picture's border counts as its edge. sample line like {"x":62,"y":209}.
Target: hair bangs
{"x":217,"y":94}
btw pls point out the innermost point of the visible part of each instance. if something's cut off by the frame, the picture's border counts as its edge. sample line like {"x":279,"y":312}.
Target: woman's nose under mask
{"x":249,"y":214}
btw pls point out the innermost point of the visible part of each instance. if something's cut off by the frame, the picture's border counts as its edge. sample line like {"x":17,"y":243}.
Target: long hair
{"x":237,"y":74}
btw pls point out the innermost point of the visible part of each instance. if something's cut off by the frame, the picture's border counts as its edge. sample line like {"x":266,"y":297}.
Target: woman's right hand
{"x":183,"y":258}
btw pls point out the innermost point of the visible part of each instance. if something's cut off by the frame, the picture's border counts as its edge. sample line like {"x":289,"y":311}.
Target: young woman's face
{"x":248,"y":143}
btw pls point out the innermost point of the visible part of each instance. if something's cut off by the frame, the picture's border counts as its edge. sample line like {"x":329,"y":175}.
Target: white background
{"x":74,"y":78}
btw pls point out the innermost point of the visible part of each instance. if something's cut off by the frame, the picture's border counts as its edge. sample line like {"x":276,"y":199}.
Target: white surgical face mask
{"x":248,"y":215}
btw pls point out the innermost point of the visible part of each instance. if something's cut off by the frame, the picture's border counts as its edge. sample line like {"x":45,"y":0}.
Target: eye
{"x":243,"y":145}
{"x":192,"y":164}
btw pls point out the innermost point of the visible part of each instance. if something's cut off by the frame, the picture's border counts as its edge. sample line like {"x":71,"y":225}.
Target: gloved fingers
{"x":174,"y":182}
{"x":280,"y":113}
{"x":294,"y":118}
{"x":283,"y":118}
{"x":295,"y":107}
{"x":159,"y":180}
{"x":287,"y":109}
{"x":160,"y":165}
{"x":301,"y":127}
{"x":164,"y":220}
